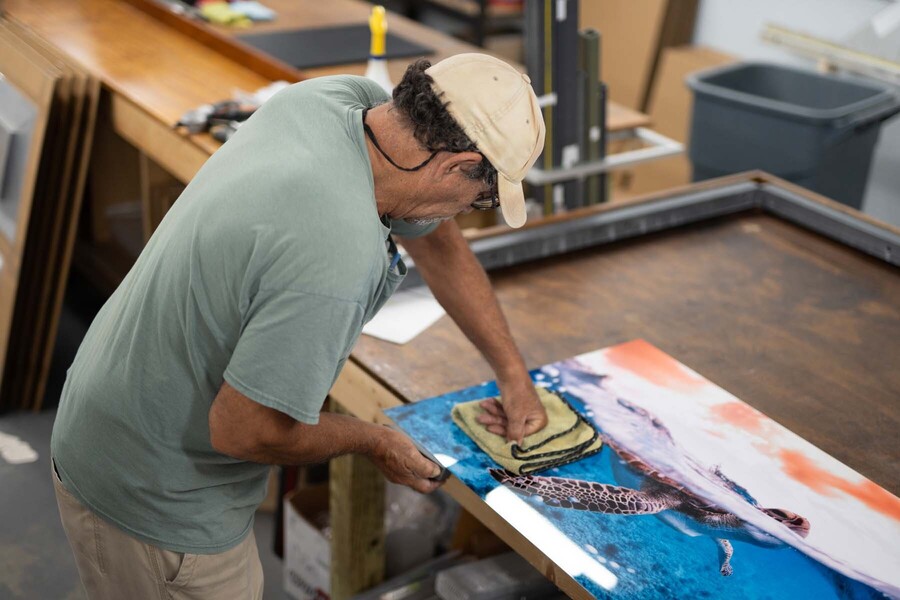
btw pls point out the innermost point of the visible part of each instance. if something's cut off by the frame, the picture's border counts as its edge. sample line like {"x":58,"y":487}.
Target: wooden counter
{"x":155,"y":74}
{"x":799,"y":326}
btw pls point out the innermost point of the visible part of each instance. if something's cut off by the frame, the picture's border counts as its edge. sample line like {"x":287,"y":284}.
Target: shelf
{"x":484,"y":18}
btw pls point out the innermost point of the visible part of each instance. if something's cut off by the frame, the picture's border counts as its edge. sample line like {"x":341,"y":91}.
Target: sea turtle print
{"x":644,"y":490}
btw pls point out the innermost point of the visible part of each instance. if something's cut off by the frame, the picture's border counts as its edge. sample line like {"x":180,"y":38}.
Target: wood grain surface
{"x":796,"y":325}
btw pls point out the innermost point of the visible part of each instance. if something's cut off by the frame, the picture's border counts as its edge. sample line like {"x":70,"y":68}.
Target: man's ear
{"x":462,"y":161}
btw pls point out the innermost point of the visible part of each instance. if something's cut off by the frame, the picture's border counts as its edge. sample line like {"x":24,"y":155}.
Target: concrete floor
{"x":35,"y":559}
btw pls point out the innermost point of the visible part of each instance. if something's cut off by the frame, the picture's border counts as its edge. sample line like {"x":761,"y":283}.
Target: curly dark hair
{"x":432,"y":124}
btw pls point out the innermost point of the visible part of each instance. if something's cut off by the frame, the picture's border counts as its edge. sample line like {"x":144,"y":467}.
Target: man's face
{"x":446,"y":199}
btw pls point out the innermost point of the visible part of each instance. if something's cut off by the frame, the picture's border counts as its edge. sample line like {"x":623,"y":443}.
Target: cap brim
{"x":512,"y":201}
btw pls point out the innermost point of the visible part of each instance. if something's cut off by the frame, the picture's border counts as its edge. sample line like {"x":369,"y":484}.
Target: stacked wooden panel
{"x":36,"y":244}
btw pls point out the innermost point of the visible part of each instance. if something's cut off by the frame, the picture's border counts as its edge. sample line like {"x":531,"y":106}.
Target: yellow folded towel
{"x":567,"y":437}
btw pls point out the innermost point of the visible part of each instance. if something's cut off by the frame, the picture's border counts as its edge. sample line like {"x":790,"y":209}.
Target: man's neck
{"x":392,"y":186}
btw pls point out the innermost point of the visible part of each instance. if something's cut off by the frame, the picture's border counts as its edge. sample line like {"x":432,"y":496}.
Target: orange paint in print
{"x":716,"y":433}
{"x":652,"y":364}
{"x":740,"y":415}
{"x":802,"y":469}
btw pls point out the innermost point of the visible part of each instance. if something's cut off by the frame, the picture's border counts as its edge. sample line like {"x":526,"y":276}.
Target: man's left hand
{"x":519,"y":414}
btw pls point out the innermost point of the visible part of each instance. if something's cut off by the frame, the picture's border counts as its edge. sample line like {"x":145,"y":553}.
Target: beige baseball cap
{"x":496,"y":107}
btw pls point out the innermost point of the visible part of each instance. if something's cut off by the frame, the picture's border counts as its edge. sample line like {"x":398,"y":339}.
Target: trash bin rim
{"x":837,"y":117}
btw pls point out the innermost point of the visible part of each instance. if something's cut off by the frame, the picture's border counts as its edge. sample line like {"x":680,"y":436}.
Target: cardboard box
{"x":413,"y":523}
{"x":670,"y":108}
{"x":633,"y":35}
{"x":307,"y":552}
{"x":507,"y":46}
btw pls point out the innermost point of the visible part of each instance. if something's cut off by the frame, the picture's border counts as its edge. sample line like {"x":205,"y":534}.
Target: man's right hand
{"x":401,"y":462}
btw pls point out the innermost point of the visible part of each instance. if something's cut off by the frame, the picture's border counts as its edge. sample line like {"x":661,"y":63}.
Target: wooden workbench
{"x":801,"y":327}
{"x":154,"y":73}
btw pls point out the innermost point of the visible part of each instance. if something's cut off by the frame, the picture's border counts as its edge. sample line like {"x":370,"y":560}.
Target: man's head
{"x":471,"y":116}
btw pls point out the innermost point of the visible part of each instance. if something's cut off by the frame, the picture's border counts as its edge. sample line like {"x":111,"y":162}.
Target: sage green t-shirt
{"x":261,"y":275}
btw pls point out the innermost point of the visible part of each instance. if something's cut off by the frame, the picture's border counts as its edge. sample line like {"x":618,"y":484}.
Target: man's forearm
{"x":244,"y":429}
{"x":335,"y":435}
{"x":460,"y":284}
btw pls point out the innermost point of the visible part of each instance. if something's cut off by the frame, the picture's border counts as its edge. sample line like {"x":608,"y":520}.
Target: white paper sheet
{"x":16,"y":451}
{"x":405,"y":315}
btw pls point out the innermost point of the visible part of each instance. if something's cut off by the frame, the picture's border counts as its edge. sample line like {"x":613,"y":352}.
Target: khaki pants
{"x":113,"y":565}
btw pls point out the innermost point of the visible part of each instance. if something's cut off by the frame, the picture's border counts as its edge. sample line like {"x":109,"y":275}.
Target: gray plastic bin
{"x":816,"y":130}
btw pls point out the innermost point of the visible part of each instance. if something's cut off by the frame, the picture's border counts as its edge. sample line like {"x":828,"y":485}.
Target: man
{"x":213,"y":357}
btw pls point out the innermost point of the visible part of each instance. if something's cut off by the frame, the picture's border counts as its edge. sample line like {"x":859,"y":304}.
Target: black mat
{"x":307,"y":48}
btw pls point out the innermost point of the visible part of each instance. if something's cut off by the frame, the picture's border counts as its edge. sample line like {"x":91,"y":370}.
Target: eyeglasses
{"x":487,"y":200}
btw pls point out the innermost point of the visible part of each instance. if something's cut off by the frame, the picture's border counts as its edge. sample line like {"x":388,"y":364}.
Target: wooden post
{"x":356,"y":504}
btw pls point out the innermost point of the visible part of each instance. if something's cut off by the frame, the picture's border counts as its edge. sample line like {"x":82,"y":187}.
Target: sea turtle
{"x":644,"y":490}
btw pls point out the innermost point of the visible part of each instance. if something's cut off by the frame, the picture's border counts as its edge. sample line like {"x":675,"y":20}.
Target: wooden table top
{"x":158,"y":69}
{"x":803,"y":328}
{"x":166,"y":73}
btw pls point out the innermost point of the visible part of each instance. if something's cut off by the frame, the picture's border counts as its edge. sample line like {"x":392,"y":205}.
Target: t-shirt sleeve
{"x":368,"y":92}
{"x":290,"y":349}
{"x":410,"y":230}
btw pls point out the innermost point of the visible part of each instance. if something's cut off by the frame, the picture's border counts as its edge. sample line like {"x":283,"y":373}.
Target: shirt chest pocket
{"x":394,"y":273}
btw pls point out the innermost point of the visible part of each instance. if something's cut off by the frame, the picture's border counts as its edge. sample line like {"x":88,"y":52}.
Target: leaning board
{"x":38,"y":225}
{"x":33,"y":81}
{"x":689,"y":474}
{"x":55,"y":217}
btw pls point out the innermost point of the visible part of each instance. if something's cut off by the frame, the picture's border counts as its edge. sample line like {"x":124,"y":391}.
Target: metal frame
{"x":844,"y":226}
{"x":659,"y":147}
{"x":504,"y":247}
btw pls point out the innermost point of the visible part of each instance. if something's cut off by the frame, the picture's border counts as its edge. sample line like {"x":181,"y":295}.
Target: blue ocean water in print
{"x":647,"y":557}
